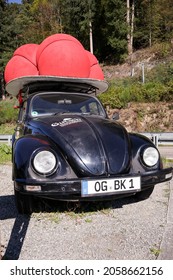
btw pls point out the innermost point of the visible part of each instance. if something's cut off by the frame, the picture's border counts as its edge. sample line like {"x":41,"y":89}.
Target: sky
{"x":14,"y":1}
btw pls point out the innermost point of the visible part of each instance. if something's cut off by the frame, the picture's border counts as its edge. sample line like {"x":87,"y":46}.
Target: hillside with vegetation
{"x":133,"y":41}
{"x":142,"y":92}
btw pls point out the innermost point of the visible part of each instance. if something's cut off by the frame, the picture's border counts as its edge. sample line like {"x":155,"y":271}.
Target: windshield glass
{"x":56,"y":103}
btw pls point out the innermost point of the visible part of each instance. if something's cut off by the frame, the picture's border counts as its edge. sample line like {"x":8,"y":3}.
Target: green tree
{"x":115,"y":32}
{"x":153,"y":22}
{"x":10,"y":31}
{"x":165,"y":9}
{"x":115,"y":29}
{"x":46,"y":18}
{"x":76,"y":16}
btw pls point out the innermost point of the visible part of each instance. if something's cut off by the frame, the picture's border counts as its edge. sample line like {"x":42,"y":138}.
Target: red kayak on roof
{"x":59,"y":55}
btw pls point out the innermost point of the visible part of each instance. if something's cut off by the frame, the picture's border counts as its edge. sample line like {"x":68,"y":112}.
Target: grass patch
{"x":55,"y":211}
{"x":167,"y":162}
{"x":88,"y":220}
{"x":7,"y":128}
{"x":5,"y":153}
{"x":155,"y":251}
{"x":51,"y":216}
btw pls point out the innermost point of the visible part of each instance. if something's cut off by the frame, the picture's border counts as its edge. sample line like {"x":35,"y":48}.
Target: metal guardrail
{"x":164,"y":138}
{"x":6,"y":138}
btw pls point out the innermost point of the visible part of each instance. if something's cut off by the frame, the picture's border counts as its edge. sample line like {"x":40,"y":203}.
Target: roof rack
{"x":59,"y":86}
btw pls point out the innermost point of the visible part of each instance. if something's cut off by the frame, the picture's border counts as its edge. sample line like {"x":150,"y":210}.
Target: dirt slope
{"x":146,"y":117}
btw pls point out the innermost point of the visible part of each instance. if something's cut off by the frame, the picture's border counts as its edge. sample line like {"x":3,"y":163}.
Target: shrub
{"x":111,"y":98}
{"x":161,"y":73}
{"x":161,"y":50}
{"x":7,"y":113}
{"x":158,"y":87}
{"x":154,"y":92}
{"x":120,"y":96}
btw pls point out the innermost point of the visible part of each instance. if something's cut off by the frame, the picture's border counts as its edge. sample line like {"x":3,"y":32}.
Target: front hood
{"x":92,"y":145}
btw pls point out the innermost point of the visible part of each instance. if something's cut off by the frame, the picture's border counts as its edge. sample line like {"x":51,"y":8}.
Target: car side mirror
{"x":116,"y":116}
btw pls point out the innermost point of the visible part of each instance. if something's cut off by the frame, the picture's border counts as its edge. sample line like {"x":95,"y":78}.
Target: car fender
{"x":138,"y":144}
{"x":23,"y":150}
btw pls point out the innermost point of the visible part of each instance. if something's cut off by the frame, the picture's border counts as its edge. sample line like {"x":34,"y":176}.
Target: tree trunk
{"x":91,"y":37}
{"x":130,"y":25}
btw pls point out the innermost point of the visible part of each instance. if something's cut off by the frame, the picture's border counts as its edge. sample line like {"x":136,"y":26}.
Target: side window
{"x":93,"y":108}
{"x":83,"y":109}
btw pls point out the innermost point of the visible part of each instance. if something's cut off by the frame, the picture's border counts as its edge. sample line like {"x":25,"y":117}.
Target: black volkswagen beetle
{"x":66,"y":148}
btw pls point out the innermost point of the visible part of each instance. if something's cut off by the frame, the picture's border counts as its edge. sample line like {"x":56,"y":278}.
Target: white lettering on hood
{"x":67,"y":121}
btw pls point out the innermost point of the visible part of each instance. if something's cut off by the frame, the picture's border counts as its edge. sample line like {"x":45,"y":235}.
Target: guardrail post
{"x":9,"y":139}
{"x":155,"y":140}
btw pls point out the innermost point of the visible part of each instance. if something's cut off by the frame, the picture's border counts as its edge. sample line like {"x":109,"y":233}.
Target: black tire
{"x":24,"y":203}
{"x":144,"y":194}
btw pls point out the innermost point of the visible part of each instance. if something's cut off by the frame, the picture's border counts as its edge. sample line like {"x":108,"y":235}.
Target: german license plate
{"x":108,"y":186}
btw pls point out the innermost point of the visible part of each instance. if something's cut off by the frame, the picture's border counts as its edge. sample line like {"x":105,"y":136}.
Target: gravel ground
{"x":122,"y":230}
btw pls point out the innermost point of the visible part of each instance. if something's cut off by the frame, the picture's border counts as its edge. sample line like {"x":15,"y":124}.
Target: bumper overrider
{"x":93,"y":188}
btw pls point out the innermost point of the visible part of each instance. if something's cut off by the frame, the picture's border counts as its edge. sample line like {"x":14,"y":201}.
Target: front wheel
{"x":144,"y":194}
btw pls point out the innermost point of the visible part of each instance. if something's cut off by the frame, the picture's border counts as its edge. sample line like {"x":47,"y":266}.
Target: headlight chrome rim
{"x":150,"y":156}
{"x":44,"y":162}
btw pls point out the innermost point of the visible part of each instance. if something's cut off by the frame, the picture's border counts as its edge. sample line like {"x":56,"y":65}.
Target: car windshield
{"x":57,"y":103}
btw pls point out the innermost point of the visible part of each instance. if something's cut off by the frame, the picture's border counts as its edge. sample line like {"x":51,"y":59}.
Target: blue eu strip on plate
{"x":84,"y":189}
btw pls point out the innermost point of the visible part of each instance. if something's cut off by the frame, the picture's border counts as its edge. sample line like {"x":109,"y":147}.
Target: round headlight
{"x":150,"y":156}
{"x":44,"y":162}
